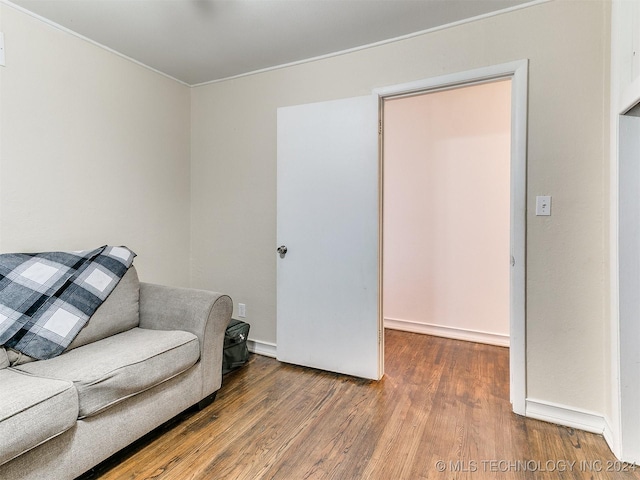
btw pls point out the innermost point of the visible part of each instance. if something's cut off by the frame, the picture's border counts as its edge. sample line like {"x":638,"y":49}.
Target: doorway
{"x":447,"y":212}
{"x":517,"y":73}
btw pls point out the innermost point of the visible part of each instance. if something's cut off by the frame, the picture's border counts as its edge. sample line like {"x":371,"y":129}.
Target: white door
{"x":629,"y":286}
{"x":328,"y":298}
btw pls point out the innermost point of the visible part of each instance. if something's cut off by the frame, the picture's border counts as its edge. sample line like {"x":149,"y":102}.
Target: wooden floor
{"x":441,"y":412}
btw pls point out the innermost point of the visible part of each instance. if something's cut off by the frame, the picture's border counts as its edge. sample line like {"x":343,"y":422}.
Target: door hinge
{"x":379,"y":127}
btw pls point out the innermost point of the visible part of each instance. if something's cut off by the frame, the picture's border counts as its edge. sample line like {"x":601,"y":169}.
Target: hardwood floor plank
{"x":441,"y":412}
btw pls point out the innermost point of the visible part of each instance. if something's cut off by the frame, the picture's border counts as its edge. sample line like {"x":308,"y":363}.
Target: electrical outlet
{"x":242,"y":310}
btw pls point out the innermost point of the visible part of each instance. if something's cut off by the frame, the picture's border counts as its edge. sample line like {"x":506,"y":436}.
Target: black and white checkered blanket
{"x":46,"y":298}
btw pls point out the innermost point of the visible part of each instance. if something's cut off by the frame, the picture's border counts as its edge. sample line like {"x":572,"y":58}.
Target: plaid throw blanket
{"x":46,"y":298}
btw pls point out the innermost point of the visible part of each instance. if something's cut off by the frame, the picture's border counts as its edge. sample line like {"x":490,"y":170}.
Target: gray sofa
{"x":148,"y":353}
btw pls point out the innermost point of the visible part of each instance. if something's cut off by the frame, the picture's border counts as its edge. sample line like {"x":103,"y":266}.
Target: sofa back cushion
{"x":4,"y":360}
{"x":118,"y":313}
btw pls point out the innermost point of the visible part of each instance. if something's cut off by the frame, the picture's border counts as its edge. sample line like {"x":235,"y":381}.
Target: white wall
{"x":446,"y":212}
{"x":94,"y":150}
{"x":234,"y":175}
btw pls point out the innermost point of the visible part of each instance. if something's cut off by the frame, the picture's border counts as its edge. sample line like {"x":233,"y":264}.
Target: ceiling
{"x":197,"y":41}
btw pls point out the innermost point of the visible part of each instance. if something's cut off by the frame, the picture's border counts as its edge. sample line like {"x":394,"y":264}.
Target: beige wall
{"x":70,"y":111}
{"x":94,"y":150}
{"x":446,"y":211}
{"x":234,"y":175}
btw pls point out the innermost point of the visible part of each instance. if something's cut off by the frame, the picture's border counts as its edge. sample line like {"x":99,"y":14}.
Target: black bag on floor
{"x":235,"y":352}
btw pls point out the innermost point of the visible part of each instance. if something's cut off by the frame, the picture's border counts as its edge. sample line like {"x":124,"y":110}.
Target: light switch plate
{"x":543,"y":205}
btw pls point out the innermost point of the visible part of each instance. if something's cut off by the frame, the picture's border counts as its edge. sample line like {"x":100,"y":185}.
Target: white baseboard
{"x":447,"y":332}
{"x":610,"y":437}
{"x":567,"y":416}
{"x":266,"y":349}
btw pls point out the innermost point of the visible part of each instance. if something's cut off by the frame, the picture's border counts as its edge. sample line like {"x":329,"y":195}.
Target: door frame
{"x":517,"y":71}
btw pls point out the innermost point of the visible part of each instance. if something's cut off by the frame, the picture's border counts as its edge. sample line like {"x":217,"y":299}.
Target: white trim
{"x":517,"y":357}
{"x":615,"y":439}
{"x":567,"y":416}
{"x":377,"y":44}
{"x":447,"y":332}
{"x":452,"y":80}
{"x":266,"y":349}
{"x":518,"y":71}
{"x":86,"y":39}
{"x":609,"y":434}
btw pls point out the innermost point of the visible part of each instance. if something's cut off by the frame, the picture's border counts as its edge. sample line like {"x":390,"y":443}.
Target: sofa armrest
{"x":203,"y":313}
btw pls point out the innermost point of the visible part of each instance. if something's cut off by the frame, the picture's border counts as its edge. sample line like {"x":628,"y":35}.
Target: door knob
{"x":282,"y":250}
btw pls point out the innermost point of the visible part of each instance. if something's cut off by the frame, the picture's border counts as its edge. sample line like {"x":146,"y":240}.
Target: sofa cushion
{"x":33,"y":410}
{"x":118,"y":313}
{"x":4,"y":360}
{"x":118,"y":367}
